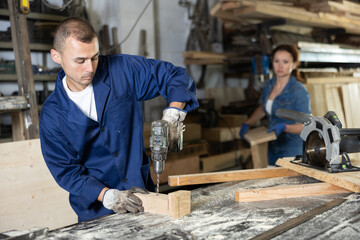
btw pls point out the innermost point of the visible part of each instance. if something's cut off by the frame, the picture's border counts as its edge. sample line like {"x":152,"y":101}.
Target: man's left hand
{"x":278,"y":129}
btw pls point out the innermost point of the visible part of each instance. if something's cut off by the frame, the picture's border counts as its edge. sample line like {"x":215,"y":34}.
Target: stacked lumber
{"x":320,"y":14}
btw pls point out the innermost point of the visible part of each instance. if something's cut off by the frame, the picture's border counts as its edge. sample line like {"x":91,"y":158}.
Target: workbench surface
{"x":216,"y":215}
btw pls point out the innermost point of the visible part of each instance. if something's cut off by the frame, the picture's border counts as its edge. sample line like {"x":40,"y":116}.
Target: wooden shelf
{"x":41,"y":47}
{"x":37,"y":77}
{"x":36,"y":16}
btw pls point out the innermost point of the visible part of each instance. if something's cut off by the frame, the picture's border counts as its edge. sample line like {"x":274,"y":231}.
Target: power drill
{"x":160,"y":144}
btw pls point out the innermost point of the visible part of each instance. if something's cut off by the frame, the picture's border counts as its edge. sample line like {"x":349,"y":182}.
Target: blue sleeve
{"x":150,"y":78}
{"x":62,"y":160}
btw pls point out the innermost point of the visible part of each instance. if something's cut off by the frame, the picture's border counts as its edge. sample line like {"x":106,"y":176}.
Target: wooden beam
{"x":347,"y":180}
{"x":176,"y":204}
{"x":20,"y":39}
{"x":259,"y":135}
{"x":229,"y":176}
{"x":293,"y":191}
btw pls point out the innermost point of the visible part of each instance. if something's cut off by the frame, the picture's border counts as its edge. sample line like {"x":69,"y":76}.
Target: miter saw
{"x":326,"y":144}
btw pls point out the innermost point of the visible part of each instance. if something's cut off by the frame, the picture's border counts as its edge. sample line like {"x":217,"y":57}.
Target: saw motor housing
{"x":321,"y":146}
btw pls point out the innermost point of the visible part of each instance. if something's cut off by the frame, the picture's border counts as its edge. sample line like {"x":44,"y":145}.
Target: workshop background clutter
{"x":224,"y":45}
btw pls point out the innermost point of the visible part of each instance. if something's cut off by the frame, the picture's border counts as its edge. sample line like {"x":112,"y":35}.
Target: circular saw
{"x":325,"y":143}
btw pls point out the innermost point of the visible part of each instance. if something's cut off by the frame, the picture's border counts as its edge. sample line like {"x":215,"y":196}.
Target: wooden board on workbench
{"x":347,"y":180}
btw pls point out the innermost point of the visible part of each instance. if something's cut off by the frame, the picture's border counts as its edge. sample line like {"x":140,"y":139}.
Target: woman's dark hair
{"x":294,"y":52}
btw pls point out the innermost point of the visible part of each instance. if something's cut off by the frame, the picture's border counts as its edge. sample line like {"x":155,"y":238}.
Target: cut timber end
{"x":347,"y":180}
{"x":176,"y":204}
{"x":293,"y":191}
{"x":228,"y":176}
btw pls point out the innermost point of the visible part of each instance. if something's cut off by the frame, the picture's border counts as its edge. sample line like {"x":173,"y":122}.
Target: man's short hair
{"x":77,"y":28}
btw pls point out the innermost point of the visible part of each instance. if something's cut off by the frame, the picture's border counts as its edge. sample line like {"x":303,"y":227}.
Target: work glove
{"x":122,"y":201}
{"x":175,"y":117}
{"x":278,"y":129}
{"x":243,"y":130}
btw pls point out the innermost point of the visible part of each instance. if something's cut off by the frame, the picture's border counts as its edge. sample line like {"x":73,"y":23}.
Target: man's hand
{"x":122,"y":201}
{"x":278,"y":129}
{"x":174,"y":116}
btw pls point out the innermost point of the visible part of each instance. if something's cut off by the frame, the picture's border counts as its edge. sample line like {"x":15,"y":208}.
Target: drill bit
{"x":157,"y":184}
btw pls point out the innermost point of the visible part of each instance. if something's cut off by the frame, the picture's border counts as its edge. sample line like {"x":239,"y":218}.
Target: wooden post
{"x":20,"y":39}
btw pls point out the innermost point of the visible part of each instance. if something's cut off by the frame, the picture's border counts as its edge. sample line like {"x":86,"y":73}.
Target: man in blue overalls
{"x":91,"y":126}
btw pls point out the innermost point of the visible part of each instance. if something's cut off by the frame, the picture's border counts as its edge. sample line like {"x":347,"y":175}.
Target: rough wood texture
{"x":292,"y":191}
{"x":13,"y":103}
{"x":222,"y":161}
{"x":228,"y":176}
{"x":176,"y":204}
{"x":347,"y":180}
{"x":30,"y":196}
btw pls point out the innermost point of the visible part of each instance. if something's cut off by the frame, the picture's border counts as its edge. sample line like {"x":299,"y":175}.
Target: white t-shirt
{"x":85,"y":100}
{"x":268,"y":106}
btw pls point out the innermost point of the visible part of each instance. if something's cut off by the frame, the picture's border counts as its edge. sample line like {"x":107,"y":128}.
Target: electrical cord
{"x":132,"y":28}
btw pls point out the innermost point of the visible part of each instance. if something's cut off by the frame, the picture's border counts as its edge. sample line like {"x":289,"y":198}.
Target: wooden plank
{"x":221,"y":134}
{"x":222,"y":161}
{"x":176,"y":204}
{"x":258,"y":139}
{"x":190,"y":164}
{"x":282,"y":192}
{"x":229,"y":176}
{"x":33,"y":198}
{"x":334,"y":102}
{"x":327,"y":80}
{"x":203,"y":55}
{"x":350,"y":94}
{"x":347,"y":180}
{"x":13,"y":104}
{"x":317,"y":99}
{"x":259,"y":135}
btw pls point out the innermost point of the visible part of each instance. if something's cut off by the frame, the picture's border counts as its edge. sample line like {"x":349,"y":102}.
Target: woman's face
{"x":283,"y":64}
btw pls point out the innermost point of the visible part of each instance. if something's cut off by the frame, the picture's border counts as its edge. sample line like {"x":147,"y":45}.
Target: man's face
{"x":79,"y":61}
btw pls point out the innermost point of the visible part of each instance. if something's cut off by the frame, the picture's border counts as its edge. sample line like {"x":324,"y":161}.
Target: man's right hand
{"x":122,"y":201}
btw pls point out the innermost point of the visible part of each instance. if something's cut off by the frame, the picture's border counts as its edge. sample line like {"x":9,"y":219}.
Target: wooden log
{"x":293,"y":191}
{"x":222,"y":161}
{"x":176,"y":204}
{"x":229,"y":176}
{"x":347,"y":180}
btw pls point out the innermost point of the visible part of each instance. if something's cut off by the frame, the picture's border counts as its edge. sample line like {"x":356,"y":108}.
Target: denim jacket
{"x":295,"y":97}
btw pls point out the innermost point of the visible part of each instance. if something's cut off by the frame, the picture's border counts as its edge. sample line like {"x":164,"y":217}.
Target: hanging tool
{"x":325,"y":143}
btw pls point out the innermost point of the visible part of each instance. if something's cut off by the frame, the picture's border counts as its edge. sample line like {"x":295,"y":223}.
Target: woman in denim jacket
{"x":282,"y":91}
